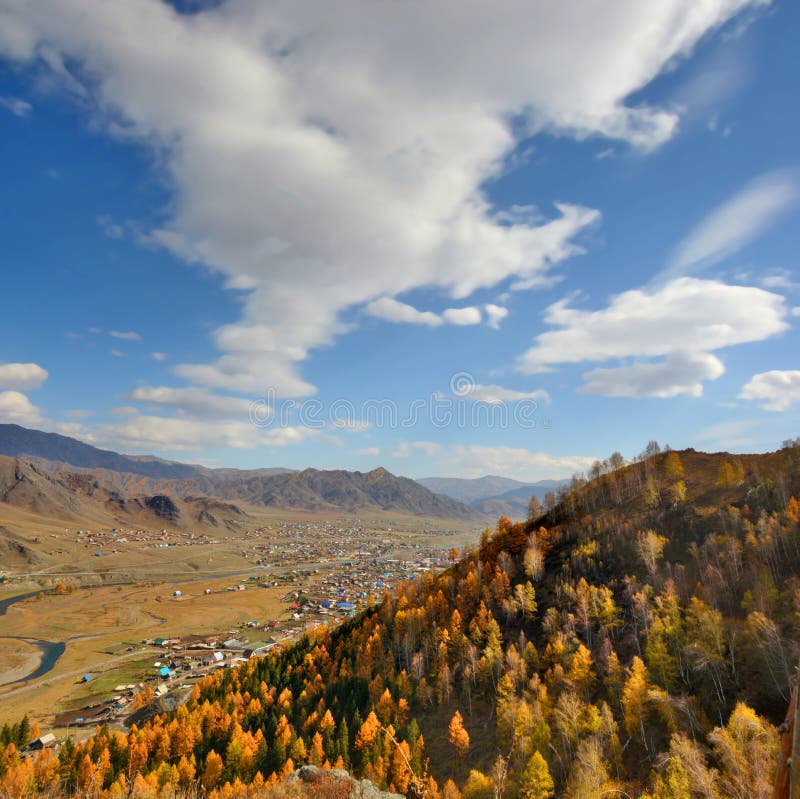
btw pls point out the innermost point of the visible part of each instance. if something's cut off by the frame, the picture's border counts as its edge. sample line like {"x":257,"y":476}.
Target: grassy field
{"x":99,"y":624}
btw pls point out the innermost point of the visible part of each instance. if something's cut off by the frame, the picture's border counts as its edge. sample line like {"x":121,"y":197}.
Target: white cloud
{"x":158,"y":356}
{"x":196,"y":402}
{"x":496,"y":314}
{"x":395,"y":311}
{"x":18,"y":409}
{"x":679,"y":373}
{"x":17,"y":106}
{"x":735,"y":223}
{"x":118,"y":353}
{"x":776,"y":390}
{"x":497,"y":394}
{"x":516,"y":462}
{"x":796,"y":311}
{"x":407,"y":449}
{"x":684,"y":320}
{"x":780,"y":279}
{"x":22,"y":375}
{"x":319,"y":167}
{"x":462,"y":316}
{"x":128,"y":335}
{"x":348,"y":425}
{"x":371,"y":451}
{"x":145,"y":433}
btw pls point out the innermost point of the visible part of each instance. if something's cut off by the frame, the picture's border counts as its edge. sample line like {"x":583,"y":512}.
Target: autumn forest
{"x":636,"y":636}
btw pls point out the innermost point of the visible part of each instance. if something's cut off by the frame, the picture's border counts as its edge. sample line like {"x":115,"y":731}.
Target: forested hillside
{"x":637,"y":638}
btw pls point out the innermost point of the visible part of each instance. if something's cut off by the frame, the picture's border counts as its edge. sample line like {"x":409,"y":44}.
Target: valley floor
{"x":110,"y":599}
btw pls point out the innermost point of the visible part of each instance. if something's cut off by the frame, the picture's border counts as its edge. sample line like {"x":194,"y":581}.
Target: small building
{"x":165,"y":672}
{"x":86,"y":678}
{"x":43,"y":742}
{"x":177,"y":594}
{"x":257,"y":649}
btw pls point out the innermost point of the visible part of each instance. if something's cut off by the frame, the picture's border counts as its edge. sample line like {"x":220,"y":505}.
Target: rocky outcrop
{"x":351,"y":787}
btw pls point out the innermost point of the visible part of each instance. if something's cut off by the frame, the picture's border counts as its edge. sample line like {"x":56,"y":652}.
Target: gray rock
{"x":362,"y":789}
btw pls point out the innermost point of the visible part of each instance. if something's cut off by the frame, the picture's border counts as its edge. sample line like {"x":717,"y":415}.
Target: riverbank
{"x":18,"y":659}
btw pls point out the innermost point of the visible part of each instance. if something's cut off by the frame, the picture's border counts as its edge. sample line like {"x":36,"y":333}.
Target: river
{"x":51,"y":650}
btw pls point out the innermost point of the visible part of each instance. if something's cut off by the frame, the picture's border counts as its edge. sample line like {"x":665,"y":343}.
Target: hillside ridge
{"x":639,"y":637}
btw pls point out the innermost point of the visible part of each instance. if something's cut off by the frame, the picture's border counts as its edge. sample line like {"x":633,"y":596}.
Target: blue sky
{"x":505,"y":241}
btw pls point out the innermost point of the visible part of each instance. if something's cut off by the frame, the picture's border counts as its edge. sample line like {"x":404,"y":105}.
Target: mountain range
{"x":51,"y":474}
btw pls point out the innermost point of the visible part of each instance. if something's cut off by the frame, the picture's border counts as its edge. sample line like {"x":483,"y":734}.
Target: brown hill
{"x":77,"y":496}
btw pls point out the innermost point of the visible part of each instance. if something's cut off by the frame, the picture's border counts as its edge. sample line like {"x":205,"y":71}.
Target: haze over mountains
{"x":53,"y":474}
{"x":493,"y":495}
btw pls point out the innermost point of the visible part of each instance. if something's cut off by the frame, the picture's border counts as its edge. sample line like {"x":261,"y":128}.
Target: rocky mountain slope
{"x":57,"y":491}
{"x":76,"y":496}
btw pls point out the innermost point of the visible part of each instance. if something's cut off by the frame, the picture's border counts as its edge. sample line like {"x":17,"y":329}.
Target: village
{"x":323,"y":572}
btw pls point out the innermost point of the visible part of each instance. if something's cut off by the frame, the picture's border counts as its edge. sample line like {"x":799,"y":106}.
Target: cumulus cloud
{"x":775,"y":391}
{"x":462,"y":316}
{"x":735,"y":223}
{"x":126,"y":335}
{"x":496,"y":314}
{"x":679,"y":373}
{"x":407,"y":449}
{"x":193,"y":401}
{"x":395,"y":311}
{"x":158,"y":356}
{"x":16,"y":408}
{"x":517,"y":462}
{"x":796,"y":311}
{"x":22,"y":375}
{"x":682,"y":321}
{"x":340,"y":190}
{"x":496,"y":395}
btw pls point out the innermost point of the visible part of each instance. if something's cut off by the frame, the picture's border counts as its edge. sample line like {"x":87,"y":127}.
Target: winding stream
{"x":51,"y":650}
